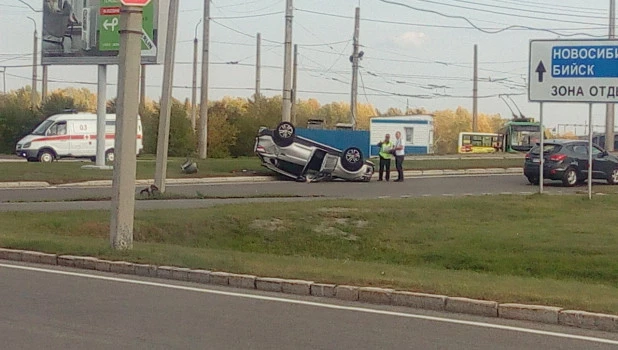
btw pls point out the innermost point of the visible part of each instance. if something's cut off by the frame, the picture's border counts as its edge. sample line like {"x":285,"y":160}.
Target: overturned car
{"x":286,"y":153}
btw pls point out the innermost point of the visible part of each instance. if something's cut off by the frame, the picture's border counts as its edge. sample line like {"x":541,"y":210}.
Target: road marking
{"x":315,"y":304}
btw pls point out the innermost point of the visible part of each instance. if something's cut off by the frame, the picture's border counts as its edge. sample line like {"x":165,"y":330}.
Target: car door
{"x":580,"y":155}
{"x":58,"y":138}
{"x":602,"y":165}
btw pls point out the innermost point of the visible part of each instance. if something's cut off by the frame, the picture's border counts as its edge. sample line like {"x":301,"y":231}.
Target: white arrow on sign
{"x":113,"y":23}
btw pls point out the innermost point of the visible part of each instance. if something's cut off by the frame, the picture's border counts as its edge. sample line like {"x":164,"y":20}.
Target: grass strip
{"x":556,"y":250}
{"x":71,"y":172}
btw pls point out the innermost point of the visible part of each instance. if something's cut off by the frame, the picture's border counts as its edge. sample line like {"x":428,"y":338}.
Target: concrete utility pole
{"x":287,"y":63}
{"x":101,"y":114}
{"x":203,"y":137}
{"x":123,"y":183}
{"x":44,"y":84}
{"x":35,"y":59}
{"x":354,"y":58}
{"x":166,"y":98}
{"x":194,"y":82}
{"x":475,"y":91}
{"x":294,"y":81}
{"x":609,"y":112}
{"x":258,"y":65}
{"x":142,"y":87}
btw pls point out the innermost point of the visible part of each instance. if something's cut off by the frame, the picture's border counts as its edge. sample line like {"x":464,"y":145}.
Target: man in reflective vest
{"x":386,"y":148}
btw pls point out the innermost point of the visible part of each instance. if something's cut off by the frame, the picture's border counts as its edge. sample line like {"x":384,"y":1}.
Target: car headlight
{"x":27,"y":145}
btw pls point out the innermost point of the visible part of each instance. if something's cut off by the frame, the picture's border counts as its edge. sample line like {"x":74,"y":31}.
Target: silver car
{"x":286,"y":153}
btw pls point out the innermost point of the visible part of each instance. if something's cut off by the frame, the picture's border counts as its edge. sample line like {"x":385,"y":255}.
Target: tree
{"x":221,"y":134}
{"x":17,"y":119}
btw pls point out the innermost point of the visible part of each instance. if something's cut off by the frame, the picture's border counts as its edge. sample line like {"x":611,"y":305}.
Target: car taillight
{"x":557,"y":157}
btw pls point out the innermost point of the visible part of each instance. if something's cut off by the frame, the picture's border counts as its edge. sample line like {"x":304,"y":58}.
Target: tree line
{"x":232,"y":121}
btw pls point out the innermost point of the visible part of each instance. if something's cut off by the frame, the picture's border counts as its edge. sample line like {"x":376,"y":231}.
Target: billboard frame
{"x":84,"y":40}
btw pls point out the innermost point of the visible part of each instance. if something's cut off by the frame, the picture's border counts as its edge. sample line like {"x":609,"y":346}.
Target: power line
{"x":249,"y":16}
{"x":502,"y":7}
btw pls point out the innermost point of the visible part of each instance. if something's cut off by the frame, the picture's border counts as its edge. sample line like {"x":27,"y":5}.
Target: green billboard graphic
{"x":87,"y":31}
{"x":109,"y":23}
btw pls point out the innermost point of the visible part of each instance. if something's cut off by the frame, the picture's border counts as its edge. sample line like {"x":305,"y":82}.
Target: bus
{"x":479,"y":142}
{"x":520,"y":135}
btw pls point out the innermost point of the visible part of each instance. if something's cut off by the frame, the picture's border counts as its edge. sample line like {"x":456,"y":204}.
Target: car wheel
{"x":612,"y":179}
{"x":109,"y":156}
{"x":46,"y":156}
{"x":284,"y":134}
{"x":569,"y":178}
{"x":533,"y":180}
{"x":352,"y":159}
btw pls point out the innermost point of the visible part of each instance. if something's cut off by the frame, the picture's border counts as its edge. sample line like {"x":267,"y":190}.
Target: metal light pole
{"x":194,"y":86}
{"x":33,"y":96}
{"x":203,"y":132}
{"x":4,"y":80}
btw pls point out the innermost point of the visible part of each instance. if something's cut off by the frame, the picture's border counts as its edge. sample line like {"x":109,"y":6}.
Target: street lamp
{"x":194,"y":87}
{"x":33,"y":97}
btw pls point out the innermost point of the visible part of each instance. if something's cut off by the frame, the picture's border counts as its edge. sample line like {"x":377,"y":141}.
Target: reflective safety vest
{"x":385,"y":149}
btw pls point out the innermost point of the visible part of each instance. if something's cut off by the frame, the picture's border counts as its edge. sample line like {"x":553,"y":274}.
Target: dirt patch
{"x":328,"y":230}
{"x":268,"y":225}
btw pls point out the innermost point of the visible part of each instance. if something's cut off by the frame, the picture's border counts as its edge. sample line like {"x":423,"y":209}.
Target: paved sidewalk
{"x":245,"y":179}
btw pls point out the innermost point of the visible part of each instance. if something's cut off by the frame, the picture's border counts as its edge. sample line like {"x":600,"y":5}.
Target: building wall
{"x":419,"y":142}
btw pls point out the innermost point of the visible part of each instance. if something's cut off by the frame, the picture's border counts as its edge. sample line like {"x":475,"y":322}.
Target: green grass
{"x":67,"y":172}
{"x":557,"y":250}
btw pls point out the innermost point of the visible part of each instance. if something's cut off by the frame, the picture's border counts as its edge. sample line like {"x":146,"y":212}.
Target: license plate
{"x":536,"y":160}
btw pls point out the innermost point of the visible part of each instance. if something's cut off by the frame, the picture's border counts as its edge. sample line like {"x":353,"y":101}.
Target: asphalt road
{"x":412,"y":187}
{"x":55,"y":308}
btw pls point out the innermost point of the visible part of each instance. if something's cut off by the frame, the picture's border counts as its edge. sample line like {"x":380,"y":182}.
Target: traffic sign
{"x":573,"y":71}
{"x":109,"y":24}
{"x":135,"y":2}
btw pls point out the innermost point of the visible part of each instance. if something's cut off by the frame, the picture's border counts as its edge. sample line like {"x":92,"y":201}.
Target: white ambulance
{"x":71,"y":135}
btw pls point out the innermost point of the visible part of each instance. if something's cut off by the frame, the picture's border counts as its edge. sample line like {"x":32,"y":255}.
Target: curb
{"x":256,"y":179}
{"x":369,"y":295}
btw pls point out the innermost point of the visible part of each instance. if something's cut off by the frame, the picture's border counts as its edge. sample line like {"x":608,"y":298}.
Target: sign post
{"x":580,"y":71}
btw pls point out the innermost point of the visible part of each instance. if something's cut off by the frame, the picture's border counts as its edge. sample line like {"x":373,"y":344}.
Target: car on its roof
{"x":283,"y":151}
{"x":567,"y":161}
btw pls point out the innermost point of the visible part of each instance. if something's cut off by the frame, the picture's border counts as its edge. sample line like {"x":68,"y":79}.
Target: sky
{"x":417,"y":53}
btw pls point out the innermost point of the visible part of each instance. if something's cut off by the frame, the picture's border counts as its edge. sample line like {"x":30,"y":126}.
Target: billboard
{"x":86,"y":32}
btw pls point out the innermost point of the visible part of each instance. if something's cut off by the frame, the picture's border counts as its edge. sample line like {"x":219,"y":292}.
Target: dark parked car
{"x":286,"y":153}
{"x":567,"y":161}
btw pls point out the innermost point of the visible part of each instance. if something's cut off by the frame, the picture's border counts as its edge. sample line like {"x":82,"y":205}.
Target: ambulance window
{"x":59,"y":128}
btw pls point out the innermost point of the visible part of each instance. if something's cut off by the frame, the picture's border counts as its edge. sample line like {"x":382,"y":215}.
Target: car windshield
{"x":40,"y":130}
{"x":548,"y":148}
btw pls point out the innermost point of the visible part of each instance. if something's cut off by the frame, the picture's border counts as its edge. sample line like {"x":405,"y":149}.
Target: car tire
{"x":352,"y":159}
{"x":46,"y":156}
{"x":612,"y":178}
{"x":569,"y":179}
{"x":109,"y":156}
{"x":284,"y":134}
{"x":533,"y":180}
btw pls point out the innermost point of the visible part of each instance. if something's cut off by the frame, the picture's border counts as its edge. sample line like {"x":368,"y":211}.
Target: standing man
{"x":400,"y":152}
{"x":385,"y":147}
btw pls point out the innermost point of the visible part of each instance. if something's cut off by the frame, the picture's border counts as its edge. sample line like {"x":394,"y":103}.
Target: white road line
{"x":316,"y":304}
